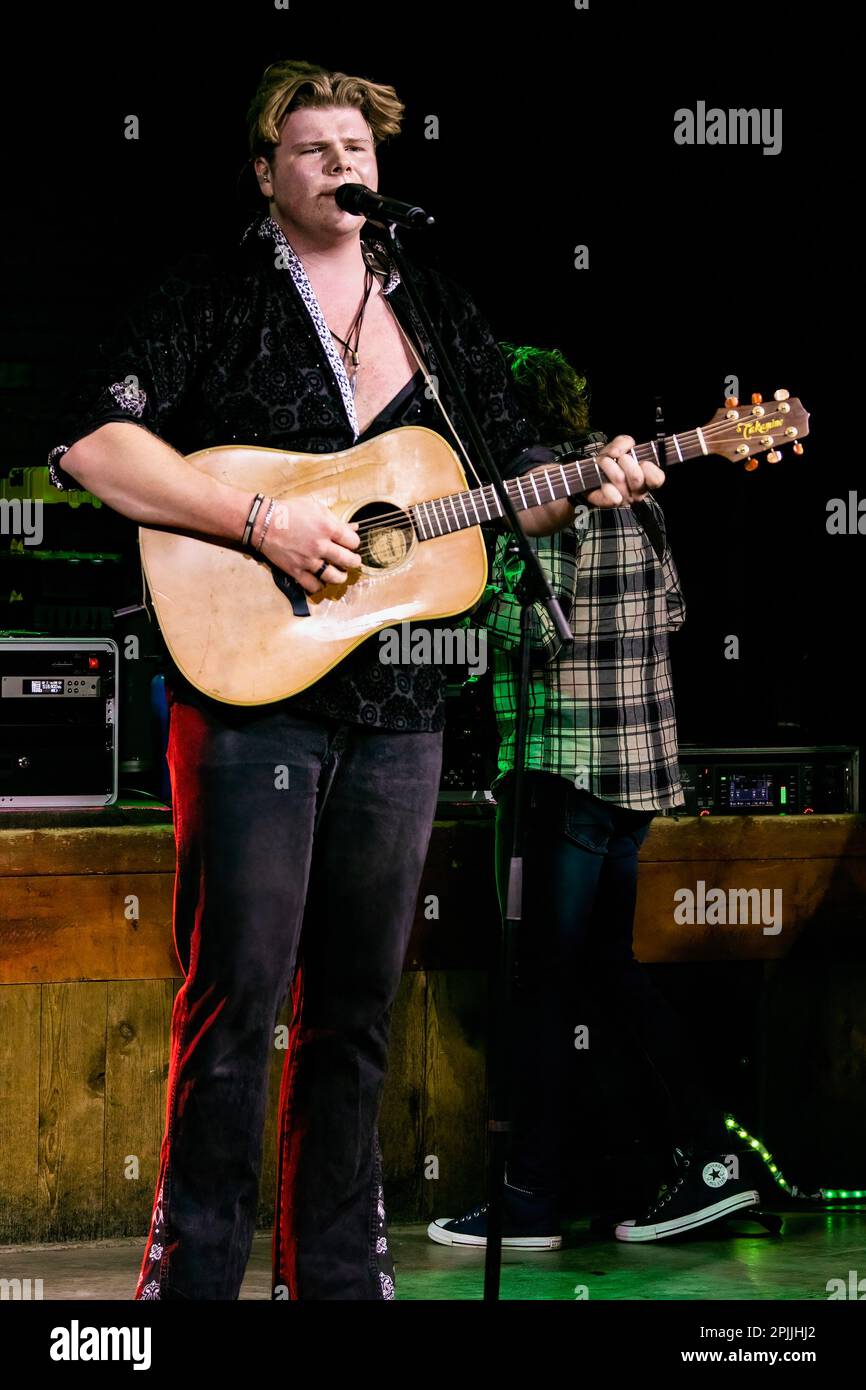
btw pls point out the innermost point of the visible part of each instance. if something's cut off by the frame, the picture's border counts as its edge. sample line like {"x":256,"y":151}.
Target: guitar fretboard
{"x":459,"y":510}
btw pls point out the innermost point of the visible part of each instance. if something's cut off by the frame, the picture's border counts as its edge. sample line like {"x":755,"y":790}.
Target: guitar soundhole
{"x":386,"y":535}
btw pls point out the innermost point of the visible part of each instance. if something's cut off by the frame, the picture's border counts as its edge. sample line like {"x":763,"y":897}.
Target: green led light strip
{"x":823,"y":1193}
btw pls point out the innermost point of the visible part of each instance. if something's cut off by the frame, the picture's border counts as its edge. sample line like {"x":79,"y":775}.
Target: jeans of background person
{"x":579,"y":896}
{"x":299,"y":840}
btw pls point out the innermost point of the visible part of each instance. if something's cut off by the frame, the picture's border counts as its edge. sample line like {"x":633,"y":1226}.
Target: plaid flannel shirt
{"x":601,"y":711}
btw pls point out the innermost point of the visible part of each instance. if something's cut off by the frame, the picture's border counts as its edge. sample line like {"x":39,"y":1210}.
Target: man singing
{"x":294,"y":340}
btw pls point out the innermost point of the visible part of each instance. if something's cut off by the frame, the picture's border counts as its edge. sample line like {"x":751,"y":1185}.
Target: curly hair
{"x":288,"y":85}
{"x":551,"y":392}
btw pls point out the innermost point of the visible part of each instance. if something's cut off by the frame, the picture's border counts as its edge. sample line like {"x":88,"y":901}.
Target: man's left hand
{"x":628,"y":480}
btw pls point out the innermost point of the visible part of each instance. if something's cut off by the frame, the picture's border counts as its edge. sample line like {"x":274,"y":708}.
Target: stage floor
{"x":815,"y":1247}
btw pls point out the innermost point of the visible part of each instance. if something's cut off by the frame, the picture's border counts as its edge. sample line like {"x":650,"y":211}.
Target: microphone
{"x":363,"y":202}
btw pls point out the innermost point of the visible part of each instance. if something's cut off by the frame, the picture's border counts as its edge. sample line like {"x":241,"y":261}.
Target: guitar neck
{"x":443,"y":515}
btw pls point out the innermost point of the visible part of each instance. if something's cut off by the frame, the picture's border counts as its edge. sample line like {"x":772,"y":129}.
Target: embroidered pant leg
{"x":245,"y":786}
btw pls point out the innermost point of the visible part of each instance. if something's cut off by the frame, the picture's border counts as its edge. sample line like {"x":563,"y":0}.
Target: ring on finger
{"x":321,"y":570}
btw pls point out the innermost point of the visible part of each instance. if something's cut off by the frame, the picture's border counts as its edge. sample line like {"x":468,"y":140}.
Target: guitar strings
{"x":388,"y":519}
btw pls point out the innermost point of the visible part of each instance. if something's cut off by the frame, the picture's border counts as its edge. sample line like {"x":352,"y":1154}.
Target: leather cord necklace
{"x":355,"y":329}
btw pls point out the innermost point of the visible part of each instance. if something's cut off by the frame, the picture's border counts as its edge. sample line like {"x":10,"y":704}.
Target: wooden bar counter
{"x":88,"y":974}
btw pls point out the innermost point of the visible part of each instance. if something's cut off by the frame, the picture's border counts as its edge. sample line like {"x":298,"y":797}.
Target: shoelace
{"x":668,"y":1190}
{"x":479,"y":1211}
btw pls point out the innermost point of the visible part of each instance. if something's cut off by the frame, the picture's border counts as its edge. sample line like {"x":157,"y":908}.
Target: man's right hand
{"x":302,"y":533}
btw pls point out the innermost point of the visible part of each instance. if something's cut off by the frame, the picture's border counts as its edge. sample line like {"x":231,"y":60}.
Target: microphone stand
{"x":534,"y":588}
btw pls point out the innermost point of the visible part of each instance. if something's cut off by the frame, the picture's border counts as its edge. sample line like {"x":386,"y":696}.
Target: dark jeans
{"x":575,"y":950}
{"x":299,"y":841}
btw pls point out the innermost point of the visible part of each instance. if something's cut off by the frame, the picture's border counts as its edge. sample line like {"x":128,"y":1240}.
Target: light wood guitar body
{"x":233,"y":632}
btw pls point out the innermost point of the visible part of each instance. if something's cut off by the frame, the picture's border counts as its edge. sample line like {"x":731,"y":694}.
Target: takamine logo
{"x":751,"y":427}
{"x":75,"y":1343}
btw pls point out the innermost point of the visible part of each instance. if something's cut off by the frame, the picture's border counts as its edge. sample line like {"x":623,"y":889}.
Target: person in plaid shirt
{"x":601,"y":759}
{"x":601,"y":714}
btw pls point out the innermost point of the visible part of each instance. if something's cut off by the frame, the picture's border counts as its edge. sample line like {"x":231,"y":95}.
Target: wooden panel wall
{"x":82,"y":1105}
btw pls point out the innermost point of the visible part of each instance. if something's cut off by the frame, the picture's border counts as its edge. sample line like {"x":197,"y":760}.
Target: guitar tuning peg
{"x":774,"y":456}
{"x":750,"y":465}
{"x":756,"y":399}
{"x":798,"y":448}
{"x":781,"y":395}
{"x":731,"y":402}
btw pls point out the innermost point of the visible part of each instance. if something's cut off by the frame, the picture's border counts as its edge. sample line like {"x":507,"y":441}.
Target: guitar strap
{"x":432,"y":387}
{"x":647,"y":520}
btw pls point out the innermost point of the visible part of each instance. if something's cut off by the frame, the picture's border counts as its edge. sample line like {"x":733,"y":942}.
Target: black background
{"x":555,"y":129}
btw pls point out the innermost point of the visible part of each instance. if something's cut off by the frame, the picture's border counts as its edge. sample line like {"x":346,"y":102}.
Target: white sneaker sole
{"x":629,"y":1230}
{"x":442,"y":1237}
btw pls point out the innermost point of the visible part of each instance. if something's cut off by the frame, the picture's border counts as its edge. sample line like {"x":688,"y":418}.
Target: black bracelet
{"x":251,"y":519}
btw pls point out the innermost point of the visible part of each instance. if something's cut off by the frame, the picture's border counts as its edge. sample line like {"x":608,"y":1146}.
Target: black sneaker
{"x":700,"y":1190}
{"x":529,"y":1222}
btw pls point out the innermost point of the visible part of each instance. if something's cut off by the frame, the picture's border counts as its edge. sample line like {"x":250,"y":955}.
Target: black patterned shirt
{"x":234,"y":349}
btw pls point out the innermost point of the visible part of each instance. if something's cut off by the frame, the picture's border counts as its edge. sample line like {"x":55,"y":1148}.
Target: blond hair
{"x":288,"y":85}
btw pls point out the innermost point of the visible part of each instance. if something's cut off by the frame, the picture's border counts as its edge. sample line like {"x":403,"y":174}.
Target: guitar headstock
{"x":742,"y":432}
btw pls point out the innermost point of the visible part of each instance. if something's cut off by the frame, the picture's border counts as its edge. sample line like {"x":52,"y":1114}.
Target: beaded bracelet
{"x":266,"y":523}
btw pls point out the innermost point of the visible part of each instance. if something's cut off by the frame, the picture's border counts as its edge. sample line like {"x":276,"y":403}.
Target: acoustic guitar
{"x":245,"y":633}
